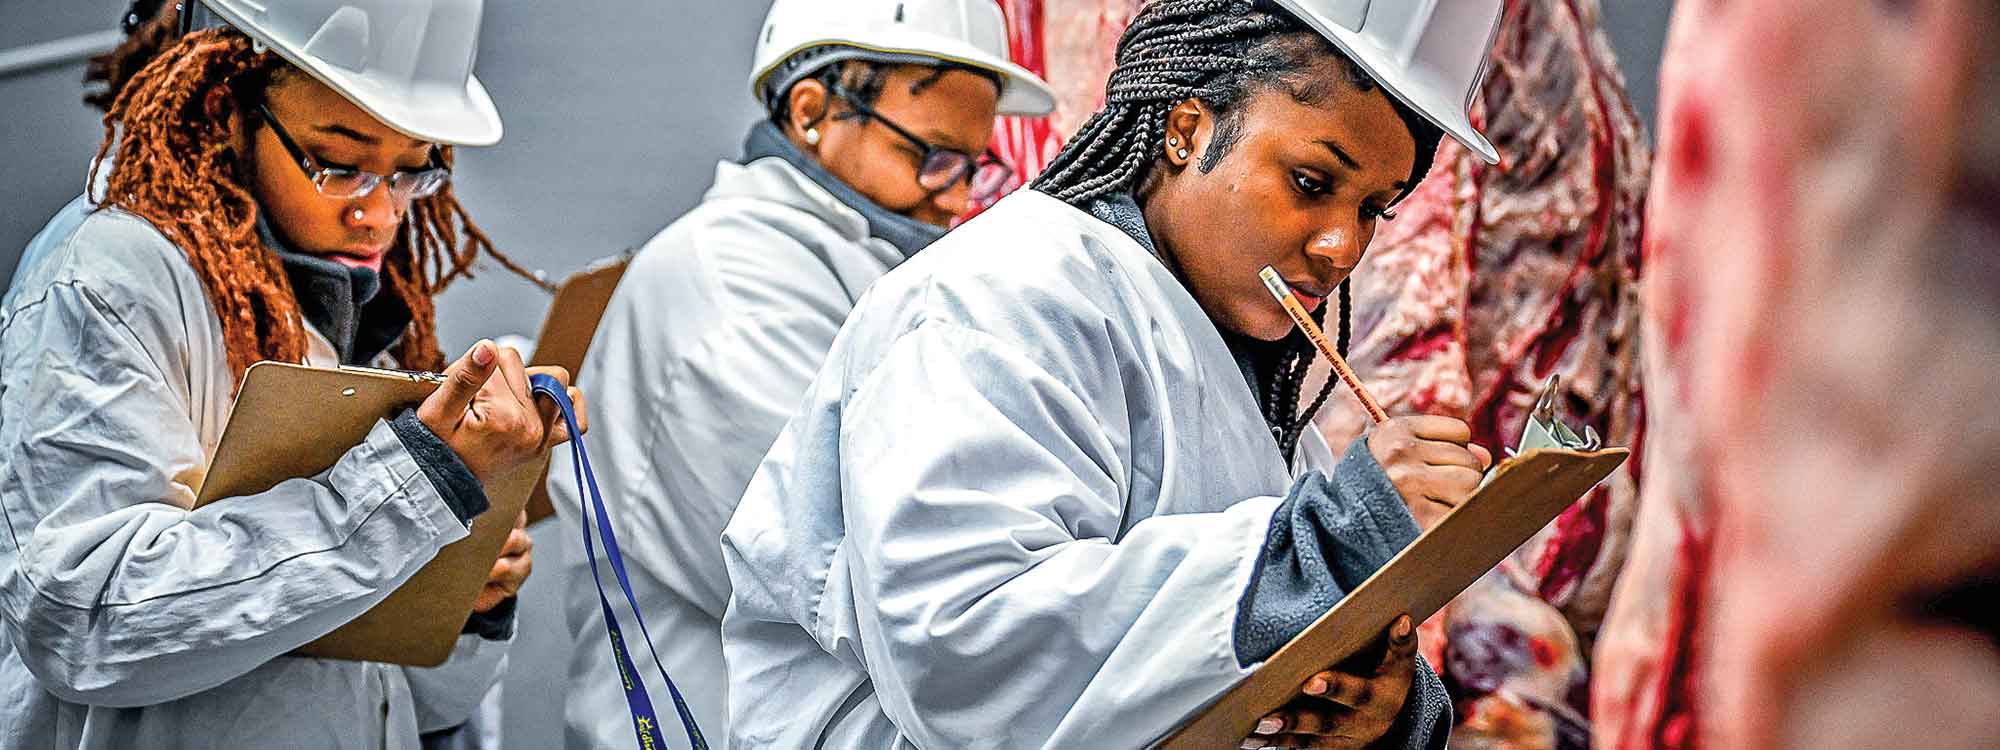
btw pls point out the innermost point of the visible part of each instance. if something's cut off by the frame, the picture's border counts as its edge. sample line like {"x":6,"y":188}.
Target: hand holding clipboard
{"x":1551,"y":468}
{"x":293,"y":421}
{"x":484,"y":410}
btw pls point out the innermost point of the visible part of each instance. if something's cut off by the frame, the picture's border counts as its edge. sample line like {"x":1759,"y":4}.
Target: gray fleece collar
{"x":906,"y":234}
{"x":344,"y":304}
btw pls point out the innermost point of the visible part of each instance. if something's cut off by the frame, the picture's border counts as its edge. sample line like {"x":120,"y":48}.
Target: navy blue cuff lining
{"x":1327,"y":537}
{"x":496,"y":624}
{"x":455,"y":483}
{"x":1359,"y":476}
{"x":1425,"y":723}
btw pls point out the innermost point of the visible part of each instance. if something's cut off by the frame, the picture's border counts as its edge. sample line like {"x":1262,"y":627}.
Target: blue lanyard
{"x":644,"y":722}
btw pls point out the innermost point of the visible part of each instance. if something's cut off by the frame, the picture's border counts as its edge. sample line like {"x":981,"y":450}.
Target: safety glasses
{"x":343,"y":183}
{"x":941,"y":168}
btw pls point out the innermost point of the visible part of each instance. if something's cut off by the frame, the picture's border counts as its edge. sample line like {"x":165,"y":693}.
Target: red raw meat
{"x":1074,"y":56}
{"x":1515,"y":669}
{"x":1818,"y":567}
{"x":1492,"y":279}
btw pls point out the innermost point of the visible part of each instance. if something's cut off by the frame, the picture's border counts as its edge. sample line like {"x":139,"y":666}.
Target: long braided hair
{"x":1222,"y":53}
{"x":149,"y":26}
{"x":176,"y":167}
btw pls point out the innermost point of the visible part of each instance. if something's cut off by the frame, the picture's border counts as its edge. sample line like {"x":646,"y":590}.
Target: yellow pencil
{"x":1304,"y":321}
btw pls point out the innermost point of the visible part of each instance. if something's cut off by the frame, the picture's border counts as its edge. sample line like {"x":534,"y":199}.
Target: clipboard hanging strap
{"x":645,"y":722}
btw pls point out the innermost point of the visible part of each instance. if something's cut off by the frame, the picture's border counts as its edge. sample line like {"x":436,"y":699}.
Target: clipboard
{"x":293,"y":421}
{"x":565,"y":338}
{"x":1525,"y":494}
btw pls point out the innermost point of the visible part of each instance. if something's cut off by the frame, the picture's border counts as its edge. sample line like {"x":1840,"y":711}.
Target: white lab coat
{"x":133,"y":622}
{"x":1018,"y":509}
{"x":704,"y":352}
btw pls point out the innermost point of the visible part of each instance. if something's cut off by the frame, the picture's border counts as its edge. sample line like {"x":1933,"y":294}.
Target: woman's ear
{"x":1183,"y":125}
{"x":241,"y":138}
{"x":807,"y":112}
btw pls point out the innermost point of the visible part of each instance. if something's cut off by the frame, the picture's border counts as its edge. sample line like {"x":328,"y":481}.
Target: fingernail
{"x":1255,"y":744}
{"x":1316,"y":686}
{"x":482,"y":353}
{"x":1270,"y":725}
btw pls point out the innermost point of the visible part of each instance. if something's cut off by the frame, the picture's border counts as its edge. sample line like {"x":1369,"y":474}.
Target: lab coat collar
{"x":906,"y":234}
{"x":1257,"y":359}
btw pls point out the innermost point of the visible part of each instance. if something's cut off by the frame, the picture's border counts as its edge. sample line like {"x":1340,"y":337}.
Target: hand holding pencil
{"x":1429,"y":459}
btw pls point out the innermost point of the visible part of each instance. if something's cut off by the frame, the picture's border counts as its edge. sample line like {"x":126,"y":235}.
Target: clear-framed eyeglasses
{"x":344,"y":183}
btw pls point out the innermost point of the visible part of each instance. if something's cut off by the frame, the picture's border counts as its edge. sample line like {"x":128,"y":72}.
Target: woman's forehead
{"x":308,"y":105}
{"x":1359,"y":121}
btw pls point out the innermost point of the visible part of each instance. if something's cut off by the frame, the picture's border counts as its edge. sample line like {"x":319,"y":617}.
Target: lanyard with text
{"x":644,"y":721}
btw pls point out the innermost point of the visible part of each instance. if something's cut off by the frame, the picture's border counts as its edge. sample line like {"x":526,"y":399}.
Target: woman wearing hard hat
{"x":280,"y":190}
{"x":1053,"y":487}
{"x":879,"y":116}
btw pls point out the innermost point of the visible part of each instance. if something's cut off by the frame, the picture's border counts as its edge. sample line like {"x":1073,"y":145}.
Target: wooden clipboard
{"x":565,"y":339}
{"x":1527,"y":493}
{"x":292,"y":421}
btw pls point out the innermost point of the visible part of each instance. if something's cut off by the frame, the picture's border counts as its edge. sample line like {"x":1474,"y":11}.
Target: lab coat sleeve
{"x":994,"y":607}
{"x":114,"y":592}
{"x":727,"y":398}
{"x":445,"y":695}
{"x":1331,"y":534}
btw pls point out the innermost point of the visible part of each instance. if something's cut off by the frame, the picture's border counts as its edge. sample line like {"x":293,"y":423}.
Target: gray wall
{"x":46,"y":133}
{"x":616,"y":111}
{"x":1638,"y":28}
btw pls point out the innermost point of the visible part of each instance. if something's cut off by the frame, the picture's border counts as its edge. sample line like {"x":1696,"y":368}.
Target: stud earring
{"x":359,"y":215}
{"x":1174,"y":142}
{"x":1182,"y":153}
{"x":812,"y":136}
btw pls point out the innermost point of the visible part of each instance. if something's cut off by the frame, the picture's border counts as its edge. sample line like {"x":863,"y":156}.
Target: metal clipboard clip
{"x":1546,"y":429}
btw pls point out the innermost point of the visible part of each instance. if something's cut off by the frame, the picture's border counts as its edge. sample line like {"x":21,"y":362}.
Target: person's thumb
{"x":462,"y":381}
{"x":1402,"y":644}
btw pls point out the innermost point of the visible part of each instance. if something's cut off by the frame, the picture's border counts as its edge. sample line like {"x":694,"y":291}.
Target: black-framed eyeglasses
{"x":941,"y":167}
{"x":343,"y":183}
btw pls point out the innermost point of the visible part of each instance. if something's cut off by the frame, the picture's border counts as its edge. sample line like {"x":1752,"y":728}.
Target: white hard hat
{"x":407,"y":63}
{"x":1429,"y":54}
{"x":967,"y":32}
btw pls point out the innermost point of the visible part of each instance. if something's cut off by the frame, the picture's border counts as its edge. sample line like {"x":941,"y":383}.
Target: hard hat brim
{"x":1022,"y":93}
{"x":447,"y":116}
{"x":1435,"y":101}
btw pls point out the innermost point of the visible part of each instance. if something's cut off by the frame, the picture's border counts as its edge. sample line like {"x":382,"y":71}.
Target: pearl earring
{"x":812,"y":136}
{"x":359,"y":215}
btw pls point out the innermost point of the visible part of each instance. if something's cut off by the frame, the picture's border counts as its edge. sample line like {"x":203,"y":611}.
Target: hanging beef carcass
{"x":1491,"y":280}
{"x":1824,"y":283}
{"x":1070,"y":44}
{"x":1515,"y":668}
